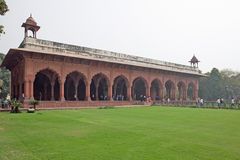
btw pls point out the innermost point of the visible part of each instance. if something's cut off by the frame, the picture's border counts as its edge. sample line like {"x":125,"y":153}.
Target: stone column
{"x":173,"y":94}
{"x":62,"y":91}
{"x":164,"y":92}
{"x":96,"y":92}
{"x":160,"y":93}
{"x":88,"y":93}
{"x":148,"y":91}
{"x":110,"y":91}
{"x":34,"y":34}
{"x":26,"y":90}
{"x":30,"y":83}
{"x":26,"y":32}
{"x":129,"y":91}
{"x":152,"y":93}
{"x":177,"y":93}
{"x":52,"y":91}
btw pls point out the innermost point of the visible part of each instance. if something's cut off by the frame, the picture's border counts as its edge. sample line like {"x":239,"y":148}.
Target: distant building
{"x":62,"y":75}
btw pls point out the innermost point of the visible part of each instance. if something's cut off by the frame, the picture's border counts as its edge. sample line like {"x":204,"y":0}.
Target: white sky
{"x":168,"y":30}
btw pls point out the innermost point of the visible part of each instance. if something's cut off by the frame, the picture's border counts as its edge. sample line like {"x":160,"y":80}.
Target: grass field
{"x":143,"y":133}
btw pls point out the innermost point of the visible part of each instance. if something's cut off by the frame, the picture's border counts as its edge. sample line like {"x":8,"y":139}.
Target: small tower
{"x":31,"y":25}
{"x":194,"y":61}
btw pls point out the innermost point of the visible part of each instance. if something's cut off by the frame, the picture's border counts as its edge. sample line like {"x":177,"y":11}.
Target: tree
{"x":232,"y":83}
{"x":3,"y":10}
{"x":212,"y":87}
{"x":224,"y":84}
{"x":5,"y":77}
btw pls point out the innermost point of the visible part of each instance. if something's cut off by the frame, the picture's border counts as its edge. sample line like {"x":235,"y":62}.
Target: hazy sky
{"x":168,"y":30}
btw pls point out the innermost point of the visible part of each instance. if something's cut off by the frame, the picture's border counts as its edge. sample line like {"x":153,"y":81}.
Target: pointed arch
{"x":119,"y":88}
{"x":139,"y":88}
{"x":75,"y":86}
{"x":46,"y":85}
{"x":191,"y":90}
{"x":99,"y":87}
{"x":156,"y":90}
{"x":181,"y":88}
{"x":170,"y":90}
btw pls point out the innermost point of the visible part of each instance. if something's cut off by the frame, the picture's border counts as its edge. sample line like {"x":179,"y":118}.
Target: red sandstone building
{"x":62,"y":75}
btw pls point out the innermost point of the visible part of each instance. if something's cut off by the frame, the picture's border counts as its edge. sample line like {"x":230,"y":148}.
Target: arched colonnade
{"x":48,"y":86}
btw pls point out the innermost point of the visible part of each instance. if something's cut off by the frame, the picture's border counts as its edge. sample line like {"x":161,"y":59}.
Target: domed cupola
{"x":31,"y":25}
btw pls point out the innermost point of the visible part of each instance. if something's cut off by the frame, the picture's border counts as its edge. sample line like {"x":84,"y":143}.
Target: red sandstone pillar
{"x":177,"y":93}
{"x":30,"y":89}
{"x":88,"y":96}
{"x":160,"y":93}
{"x":26,"y":90}
{"x":173,"y":94}
{"x":62,"y":91}
{"x":164,"y":93}
{"x":52,"y":91}
{"x":110,"y":91}
{"x":148,"y":91}
{"x":129,"y":91}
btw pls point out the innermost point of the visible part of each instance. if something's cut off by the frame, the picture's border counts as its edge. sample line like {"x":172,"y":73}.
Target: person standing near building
{"x":201,"y":102}
{"x":168,"y":100}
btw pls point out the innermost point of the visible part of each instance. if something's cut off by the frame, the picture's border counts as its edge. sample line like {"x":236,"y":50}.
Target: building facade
{"x":63,"y":75}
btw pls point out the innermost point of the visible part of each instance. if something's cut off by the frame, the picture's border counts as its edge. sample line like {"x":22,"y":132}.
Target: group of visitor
{"x":220,"y":102}
{"x":200,"y":102}
{"x":101,"y":97}
{"x":144,"y":98}
{"x":119,"y":97}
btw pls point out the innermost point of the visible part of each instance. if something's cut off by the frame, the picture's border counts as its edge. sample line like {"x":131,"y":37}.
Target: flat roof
{"x":55,"y":48}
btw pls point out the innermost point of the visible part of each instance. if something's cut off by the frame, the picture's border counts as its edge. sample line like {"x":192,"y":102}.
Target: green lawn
{"x":142,"y":133}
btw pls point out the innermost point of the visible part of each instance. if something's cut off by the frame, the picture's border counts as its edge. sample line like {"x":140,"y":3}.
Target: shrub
{"x":34,"y":103}
{"x":15,"y":105}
